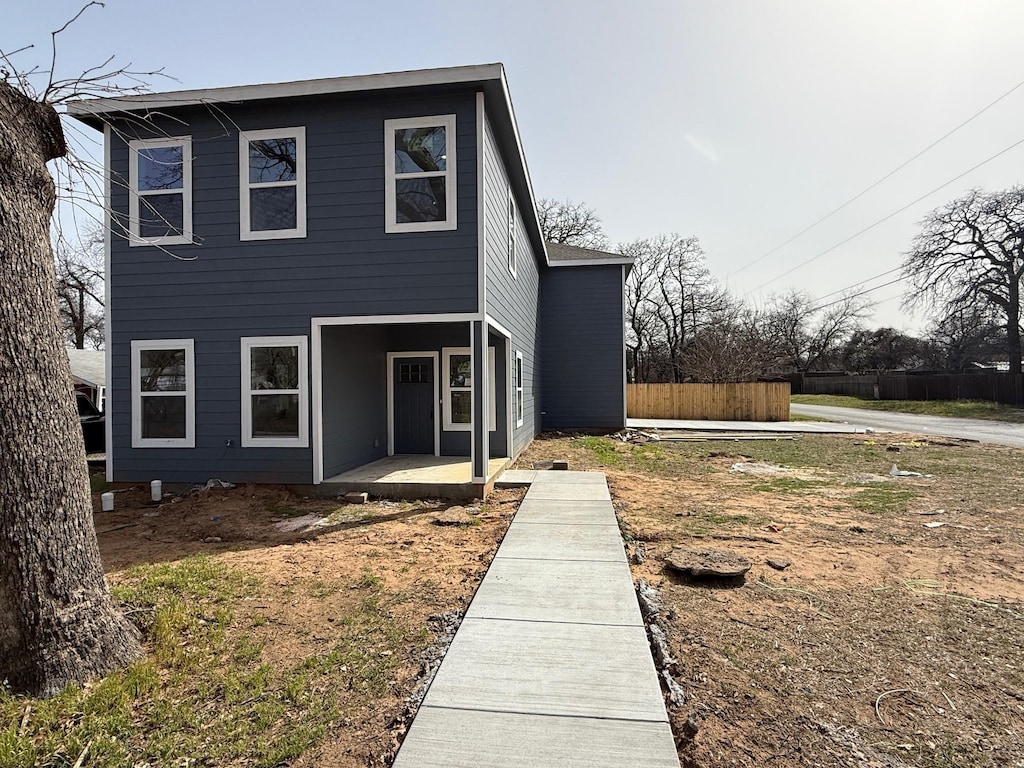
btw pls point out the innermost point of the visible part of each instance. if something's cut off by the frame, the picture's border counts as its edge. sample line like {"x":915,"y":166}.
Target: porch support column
{"x":480,"y":450}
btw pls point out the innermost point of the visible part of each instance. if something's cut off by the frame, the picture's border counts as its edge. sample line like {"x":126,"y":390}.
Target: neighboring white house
{"x":89,"y":374}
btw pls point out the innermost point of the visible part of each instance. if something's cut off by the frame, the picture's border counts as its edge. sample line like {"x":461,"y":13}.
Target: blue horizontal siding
{"x":582,"y":348}
{"x":221,"y":288}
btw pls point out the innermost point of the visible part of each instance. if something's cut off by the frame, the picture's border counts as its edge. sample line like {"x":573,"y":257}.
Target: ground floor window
{"x":517,"y":380}
{"x":275,"y":383}
{"x":163,"y":393}
{"x":457,"y":378}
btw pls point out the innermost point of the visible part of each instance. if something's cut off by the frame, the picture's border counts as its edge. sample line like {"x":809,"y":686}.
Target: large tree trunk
{"x":1013,"y":346}
{"x":58,"y":622}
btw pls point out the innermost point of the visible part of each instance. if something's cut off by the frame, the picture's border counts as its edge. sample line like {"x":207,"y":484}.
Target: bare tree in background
{"x":967,"y":335}
{"x":80,"y":299}
{"x":731,"y":347}
{"x":571,"y":223}
{"x":970,"y":253}
{"x":670,"y":298}
{"x":806,"y":335}
{"x":58,"y":622}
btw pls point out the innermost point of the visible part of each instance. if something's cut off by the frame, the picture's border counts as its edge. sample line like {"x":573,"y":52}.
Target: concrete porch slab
{"x":545,"y":541}
{"x":415,"y":477}
{"x":580,"y":670}
{"x":437,"y":739}
{"x":557,"y":590}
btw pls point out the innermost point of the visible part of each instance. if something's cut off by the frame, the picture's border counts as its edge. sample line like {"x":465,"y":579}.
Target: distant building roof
{"x":89,"y":366}
{"x":562,"y":255}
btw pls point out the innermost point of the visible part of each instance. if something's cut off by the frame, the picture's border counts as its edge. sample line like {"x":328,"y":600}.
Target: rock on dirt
{"x":779,"y":563}
{"x":712,"y":563}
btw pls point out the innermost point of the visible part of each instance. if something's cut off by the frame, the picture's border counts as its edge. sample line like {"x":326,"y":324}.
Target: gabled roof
{"x":489,"y":78}
{"x":562,"y":255}
{"x":89,"y":366}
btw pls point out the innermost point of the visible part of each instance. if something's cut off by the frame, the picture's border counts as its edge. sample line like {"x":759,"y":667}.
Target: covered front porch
{"x":417,"y":476}
{"x":410,"y":407}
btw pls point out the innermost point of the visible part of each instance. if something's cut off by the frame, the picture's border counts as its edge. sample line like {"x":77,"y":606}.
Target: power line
{"x":889,"y":216}
{"x":855,"y":295}
{"x":891,"y":173}
{"x":861,"y":282}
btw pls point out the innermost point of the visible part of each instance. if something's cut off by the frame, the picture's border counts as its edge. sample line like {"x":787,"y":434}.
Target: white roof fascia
{"x":349,"y":84}
{"x":590,"y":262}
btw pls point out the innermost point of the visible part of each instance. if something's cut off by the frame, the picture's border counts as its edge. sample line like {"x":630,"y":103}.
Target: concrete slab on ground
{"x":785,"y":427}
{"x":546,"y":541}
{"x":580,"y":670}
{"x":437,"y":739}
{"x":575,"y":491}
{"x":565,"y":512}
{"x":531,"y":590}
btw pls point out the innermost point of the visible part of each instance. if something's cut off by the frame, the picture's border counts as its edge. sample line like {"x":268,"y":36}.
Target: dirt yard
{"x":893,"y":637}
{"x":279,"y":630}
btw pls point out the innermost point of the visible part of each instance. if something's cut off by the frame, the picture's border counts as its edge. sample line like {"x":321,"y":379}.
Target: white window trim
{"x":512,"y":253}
{"x":517,"y":385}
{"x":244,"y":186}
{"x":185,"y":142}
{"x":446,"y":382}
{"x":390,"y":177}
{"x":139,"y":346}
{"x":247,"y":344}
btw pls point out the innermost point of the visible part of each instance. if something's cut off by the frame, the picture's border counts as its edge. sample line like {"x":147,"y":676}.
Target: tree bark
{"x":58,"y":622}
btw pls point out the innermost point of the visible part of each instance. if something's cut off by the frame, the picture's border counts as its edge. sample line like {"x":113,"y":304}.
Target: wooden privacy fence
{"x":761,"y":401}
{"x":1005,"y":388}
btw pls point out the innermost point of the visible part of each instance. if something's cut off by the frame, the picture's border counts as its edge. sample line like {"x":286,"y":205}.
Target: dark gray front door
{"x":414,"y":404}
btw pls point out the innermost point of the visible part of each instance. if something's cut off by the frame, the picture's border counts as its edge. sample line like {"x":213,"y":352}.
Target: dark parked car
{"x":94,"y":424}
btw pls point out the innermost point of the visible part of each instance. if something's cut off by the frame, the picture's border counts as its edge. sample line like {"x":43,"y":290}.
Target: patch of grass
{"x":203,"y":694}
{"x":98,"y":482}
{"x":881,"y":499}
{"x":967,"y":409}
{"x":604,"y":450}
{"x":787,"y":485}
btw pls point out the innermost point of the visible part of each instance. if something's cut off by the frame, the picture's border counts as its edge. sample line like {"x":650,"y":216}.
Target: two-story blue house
{"x":306,"y":277}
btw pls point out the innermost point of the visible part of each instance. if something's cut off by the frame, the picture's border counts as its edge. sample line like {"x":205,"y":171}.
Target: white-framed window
{"x":419,"y":174}
{"x":511,"y":233}
{"x":275,"y":386}
{"x":160,"y":198}
{"x":272,"y":183}
{"x":163,"y":393}
{"x":517,"y":383}
{"x":457,"y":380}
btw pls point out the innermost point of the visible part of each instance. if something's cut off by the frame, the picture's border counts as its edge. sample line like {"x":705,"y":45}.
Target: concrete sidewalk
{"x":551,"y":667}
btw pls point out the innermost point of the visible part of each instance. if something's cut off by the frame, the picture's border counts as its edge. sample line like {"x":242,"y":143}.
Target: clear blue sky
{"x":738,"y":121}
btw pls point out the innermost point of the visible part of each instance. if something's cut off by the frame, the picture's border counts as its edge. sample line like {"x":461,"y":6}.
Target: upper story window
{"x":160,"y":201}
{"x":272,"y":165}
{"x":163,"y":394}
{"x":419,"y":162}
{"x":511,"y":233}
